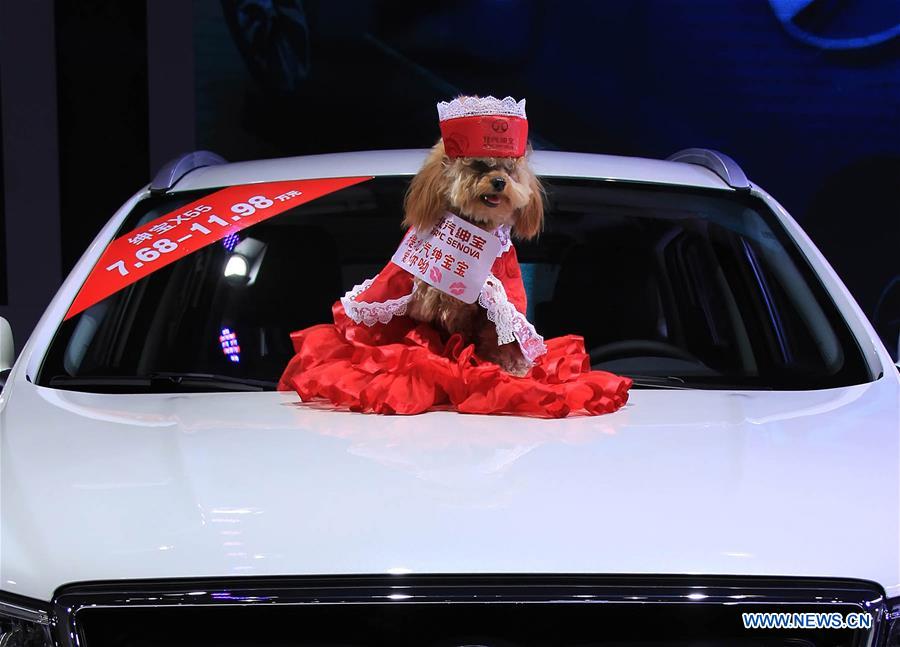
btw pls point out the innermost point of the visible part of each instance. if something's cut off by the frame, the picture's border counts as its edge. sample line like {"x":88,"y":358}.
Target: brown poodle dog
{"x":488,"y":192}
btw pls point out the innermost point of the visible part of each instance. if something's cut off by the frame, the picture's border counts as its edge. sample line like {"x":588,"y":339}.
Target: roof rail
{"x":175,"y":169}
{"x":719,"y":163}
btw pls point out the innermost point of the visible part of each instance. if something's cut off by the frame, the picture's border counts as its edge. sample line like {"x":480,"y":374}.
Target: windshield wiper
{"x":690,"y":383}
{"x":239,"y":383}
{"x":161,"y":382}
{"x":660,"y":382}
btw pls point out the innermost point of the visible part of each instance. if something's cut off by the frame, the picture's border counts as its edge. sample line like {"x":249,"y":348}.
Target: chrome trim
{"x":719,"y":163}
{"x":464,"y":589}
{"x":20,"y":611}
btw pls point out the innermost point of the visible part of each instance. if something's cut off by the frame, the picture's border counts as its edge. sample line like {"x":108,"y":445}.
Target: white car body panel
{"x":101,"y":486}
{"x":171,"y":485}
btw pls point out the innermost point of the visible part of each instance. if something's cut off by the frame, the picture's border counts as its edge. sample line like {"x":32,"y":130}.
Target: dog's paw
{"x":511,"y":360}
{"x":507,"y":356}
{"x":517,"y":371}
{"x":516,"y":368}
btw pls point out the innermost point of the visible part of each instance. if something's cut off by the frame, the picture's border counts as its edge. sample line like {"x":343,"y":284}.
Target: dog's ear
{"x":426,"y":199}
{"x":530,"y":219}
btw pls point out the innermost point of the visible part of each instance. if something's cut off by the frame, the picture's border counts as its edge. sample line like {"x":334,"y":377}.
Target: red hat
{"x":483,"y":127}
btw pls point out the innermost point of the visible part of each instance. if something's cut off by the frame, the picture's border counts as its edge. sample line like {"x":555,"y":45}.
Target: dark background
{"x":96,"y":94}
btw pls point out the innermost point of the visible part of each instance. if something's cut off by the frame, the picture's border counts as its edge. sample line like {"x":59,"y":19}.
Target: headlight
{"x":24,"y":623}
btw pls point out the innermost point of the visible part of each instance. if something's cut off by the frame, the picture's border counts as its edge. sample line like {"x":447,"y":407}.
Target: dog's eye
{"x":480,"y":167}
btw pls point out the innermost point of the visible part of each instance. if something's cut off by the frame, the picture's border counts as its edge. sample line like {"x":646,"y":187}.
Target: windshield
{"x":668,"y":285}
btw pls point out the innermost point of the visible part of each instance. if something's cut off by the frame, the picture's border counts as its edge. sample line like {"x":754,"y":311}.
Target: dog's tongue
{"x":492,"y":199}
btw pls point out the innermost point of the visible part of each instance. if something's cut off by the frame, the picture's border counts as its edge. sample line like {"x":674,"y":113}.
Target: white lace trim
{"x":371,"y":313}
{"x":471,"y":106}
{"x":510,"y":323}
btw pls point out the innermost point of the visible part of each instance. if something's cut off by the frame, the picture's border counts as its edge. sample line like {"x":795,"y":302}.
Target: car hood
{"x":98,"y":487}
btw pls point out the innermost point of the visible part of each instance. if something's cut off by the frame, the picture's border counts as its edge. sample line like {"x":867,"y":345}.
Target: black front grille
{"x":456,"y":611}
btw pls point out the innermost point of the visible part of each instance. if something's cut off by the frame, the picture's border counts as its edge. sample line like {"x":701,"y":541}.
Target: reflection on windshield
{"x":677,"y":288}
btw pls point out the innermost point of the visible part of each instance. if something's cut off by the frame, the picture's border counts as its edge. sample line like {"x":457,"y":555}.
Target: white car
{"x":156,"y":489}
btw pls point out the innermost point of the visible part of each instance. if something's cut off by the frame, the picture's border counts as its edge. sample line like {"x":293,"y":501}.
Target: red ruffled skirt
{"x":406,"y":367}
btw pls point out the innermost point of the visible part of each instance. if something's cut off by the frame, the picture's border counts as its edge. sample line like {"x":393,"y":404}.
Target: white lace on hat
{"x":472,"y":106}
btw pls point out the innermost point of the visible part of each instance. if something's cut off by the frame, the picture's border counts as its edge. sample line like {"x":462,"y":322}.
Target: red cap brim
{"x":485,"y":136}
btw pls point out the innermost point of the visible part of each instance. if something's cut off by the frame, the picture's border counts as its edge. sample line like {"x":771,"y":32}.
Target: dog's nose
{"x":498,"y":183}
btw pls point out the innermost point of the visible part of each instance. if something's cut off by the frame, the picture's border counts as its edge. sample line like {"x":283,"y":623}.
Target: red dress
{"x":375,"y":359}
